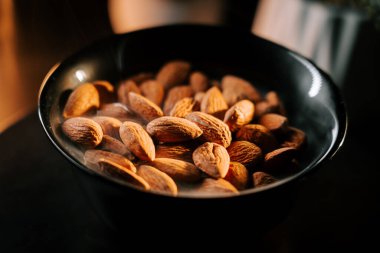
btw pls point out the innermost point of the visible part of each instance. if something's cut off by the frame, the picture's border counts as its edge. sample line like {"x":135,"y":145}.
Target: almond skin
{"x":239,"y":114}
{"x":124,"y":88}
{"x":114,"y":145}
{"x":141,"y":77}
{"x":137,"y":140}
{"x":245,"y":153}
{"x":143,"y":107}
{"x":259,"y":135}
{"x":110,"y":126}
{"x":83,"y":98}
{"x":261,"y":179}
{"x":214,"y":130}
{"x":236,"y":89}
{"x":93,"y":156}
{"x":174,"y":95}
{"x":295,"y":138}
{"x":115,"y":110}
{"x":217,"y":186}
{"x":182,"y":107}
{"x":213,"y":103}
{"x":180,"y":151}
{"x":173,"y":73}
{"x":276,"y":123}
{"x":237,"y":175}
{"x":153,"y":90}
{"x":158,"y":180}
{"x":279,"y":158}
{"x":173,"y":129}
{"x":213,"y":159}
{"x":177,"y":169}
{"x":83,"y":131}
{"x":198,"y":81}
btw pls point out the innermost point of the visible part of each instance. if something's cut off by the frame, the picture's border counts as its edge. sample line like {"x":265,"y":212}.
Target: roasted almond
{"x":198,"y":81}
{"x":153,"y":90}
{"x":259,"y":135}
{"x":261,"y":179}
{"x":180,"y":151}
{"x":141,"y":77}
{"x":137,"y":140}
{"x":173,"y":129}
{"x":275,"y":102}
{"x":114,"y":145}
{"x":143,"y":107}
{"x":198,"y":97}
{"x":216,"y":186}
{"x":245,"y":153}
{"x":213,"y":103}
{"x":81,"y":100}
{"x":213,"y":159}
{"x":295,"y":138}
{"x":93,"y":156}
{"x":214,"y":130}
{"x":182,"y":107}
{"x":110,"y":126}
{"x":157,"y":180}
{"x":276,"y":123}
{"x":115,"y":110}
{"x":236,"y":89}
{"x":237,"y":175}
{"x":177,"y":169}
{"x":83,"y":131}
{"x":124,"y":88}
{"x":106,"y":91}
{"x":279,"y":158}
{"x":174,"y":95}
{"x":239,"y":114}
{"x":173,"y":73}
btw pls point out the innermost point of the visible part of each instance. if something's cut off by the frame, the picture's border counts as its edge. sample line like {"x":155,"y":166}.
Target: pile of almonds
{"x":178,"y":131}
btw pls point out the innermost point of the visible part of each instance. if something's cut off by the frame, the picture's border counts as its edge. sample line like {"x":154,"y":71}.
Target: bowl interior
{"x":311,"y":100}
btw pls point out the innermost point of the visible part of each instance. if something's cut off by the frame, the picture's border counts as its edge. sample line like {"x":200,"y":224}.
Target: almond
{"x":137,"y":140}
{"x":84,"y":98}
{"x":245,"y":153}
{"x":181,"y":151}
{"x":182,"y":107}
{"x":295,"y":138}
{"x":214,"y":130}
{"x":213,"y":103}
{"x":143,"y":107}
{"x":110,"y":126}
{"x":259,"y":135}
{"x":114,"y":145}
{"x":261,"y":179}
{"x":93,"y":156}
{"x":173,"y":73}
{"x":217,"y":186}
{"x":237,"y":175}
{"x":83,"y":131}
{"x":106,"y":91}
{"x":198,"y":97}
{"x":115,"y":110}
{"x":198,"y":81}
{"x":153,"y":90}
{"x":235,"y":89}
{"x":115,"y":170}
{"x":239,"y":114}
{"x":141,"y":77}
{"x":174,"y":95}
{"x":279,"y":158}
{"x":276,"y":123}
{"x":262,"y":108}
{"x":213,"y":159}
{"x":173,"y":129}
{"x":177,"y":169}
{"x":124,"y":88}
{"x":157,"y":180}
{"x":275,"y":102}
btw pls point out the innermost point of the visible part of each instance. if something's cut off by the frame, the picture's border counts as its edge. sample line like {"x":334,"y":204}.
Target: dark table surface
{"x":42,"y":205}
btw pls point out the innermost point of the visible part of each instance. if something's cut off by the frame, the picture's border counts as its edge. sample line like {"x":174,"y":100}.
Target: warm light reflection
{"x":81,"y":75}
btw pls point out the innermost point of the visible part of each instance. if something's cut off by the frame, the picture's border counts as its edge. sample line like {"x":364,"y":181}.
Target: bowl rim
{"x":340,"y":115}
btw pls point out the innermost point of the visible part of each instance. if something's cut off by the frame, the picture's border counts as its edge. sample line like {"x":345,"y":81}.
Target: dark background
{"x":42,"y":206}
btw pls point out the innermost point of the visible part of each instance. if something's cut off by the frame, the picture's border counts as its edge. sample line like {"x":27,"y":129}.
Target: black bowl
{"x":311,"y":99}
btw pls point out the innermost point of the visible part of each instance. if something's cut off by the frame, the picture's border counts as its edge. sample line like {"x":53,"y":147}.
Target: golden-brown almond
{"x":214,"y":130}
{"x":115,"y":170}
{"x":237,"y":175}
{"x":295,"y":138}
{"x":114,"y":145}
{"x":153,"y":90}
{"x":262,"y":179}
{"x":245,"y":153}
{"x":177,"y":169}
{"x":180,"y":151}
{"x":239,"y":114}
{"x":157,"y":180}
{"x":236,"y":88}
{"x":259,"y":135}
{"x":93,"y":156}
{"x":212,"y":158}
{"x":275,"y":102}
{"x":276,"y":123}
{"x":106,"y":91}
{"x":173,"y":129}
{"x":124,"y":88}
{"x":174,"y":95}
{"x":137,"y":140}
{"x":83,"y":131}
{"x":182,"y":107}
{"x":143,"y":107}
{"x":198,"y":81}
{"x":115,"y":110}
{"x":213,"y":103}
{"x":173,"y":73}
{"x":83,"y":98}
{"x":110,"y":126}
{"x":217,"y":186}
{"x":141,"y":77}
{"x":279,"y":158}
